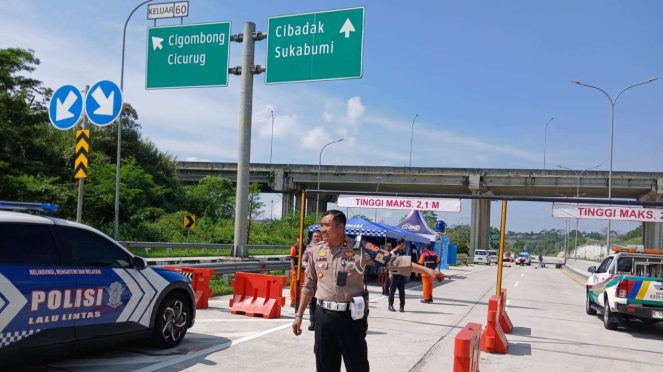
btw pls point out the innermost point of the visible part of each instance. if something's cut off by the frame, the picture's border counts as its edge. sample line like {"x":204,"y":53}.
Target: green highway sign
{"x":188,"y":56}
{"x":326,"y":45}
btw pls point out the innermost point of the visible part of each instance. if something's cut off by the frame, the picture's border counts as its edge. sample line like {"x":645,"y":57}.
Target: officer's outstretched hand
{"x":297,"y":326}
{"x":439,"y":277}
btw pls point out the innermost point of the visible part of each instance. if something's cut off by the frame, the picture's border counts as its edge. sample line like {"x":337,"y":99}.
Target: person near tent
{"x":334,"y":275}
{"x":397,"y":279}
{"x":430,"y":260}
{"x":384,"y":274}
{"x":294,"y":253}
{"x":315,"y":239}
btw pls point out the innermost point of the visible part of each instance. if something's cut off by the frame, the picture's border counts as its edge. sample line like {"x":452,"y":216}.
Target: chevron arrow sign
{"x":82,"y":153}
{"x":189,"y":221}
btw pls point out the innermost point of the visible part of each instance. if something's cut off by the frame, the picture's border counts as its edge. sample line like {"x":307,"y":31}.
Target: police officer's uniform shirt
{"x":399,"y":252}
{"x":326,"y":262}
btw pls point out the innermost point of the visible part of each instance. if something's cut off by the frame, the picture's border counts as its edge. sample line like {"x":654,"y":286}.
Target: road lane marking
{"x":515,"y":285}
{"x":523,"y":274}
{"x":572,"y":278}
{"x":210,"y":350}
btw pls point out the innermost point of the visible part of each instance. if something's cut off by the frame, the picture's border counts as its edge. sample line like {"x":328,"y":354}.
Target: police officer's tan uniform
{"x":336,"y":333}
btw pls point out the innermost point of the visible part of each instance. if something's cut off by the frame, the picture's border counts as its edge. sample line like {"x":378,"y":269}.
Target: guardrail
{"x":232,"y":267}
{"x":203,"y":246}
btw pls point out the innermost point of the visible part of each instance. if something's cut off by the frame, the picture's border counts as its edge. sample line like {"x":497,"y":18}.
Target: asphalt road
{"x":552,"y":333}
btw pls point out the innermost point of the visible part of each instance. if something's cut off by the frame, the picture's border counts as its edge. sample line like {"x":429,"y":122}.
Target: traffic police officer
{"x":397,"y":281}
{"x":334,"y":276}
{"x":430,"y":260}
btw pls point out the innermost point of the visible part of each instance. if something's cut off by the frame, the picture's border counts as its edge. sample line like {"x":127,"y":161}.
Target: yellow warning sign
{"x":189,"y":221}
{"x":82,"y":153}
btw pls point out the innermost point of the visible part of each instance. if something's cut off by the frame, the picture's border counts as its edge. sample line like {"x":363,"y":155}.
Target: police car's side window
{"x":27,"y":244}
{"x":604,"y":266}
{"x":87,"y":248}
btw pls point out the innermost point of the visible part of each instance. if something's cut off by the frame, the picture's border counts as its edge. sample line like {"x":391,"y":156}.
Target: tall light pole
{"x":375,"y":219}
{"x":271,"y":143}
{"x":271,"y":210}
{"x":545,"y":140}
{"x":411,"y":138}
{"x":612,"y":136}
{"x":317,"y":203}
{"x":119,"y":128}
{"x":575,"y":252}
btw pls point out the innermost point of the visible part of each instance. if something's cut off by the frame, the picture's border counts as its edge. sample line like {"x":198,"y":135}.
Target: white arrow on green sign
{"x":188,"y":56}
{"x":326,"y":45}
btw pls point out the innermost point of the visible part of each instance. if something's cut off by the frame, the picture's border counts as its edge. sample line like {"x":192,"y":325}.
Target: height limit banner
{"x":399,"y":203}
{"x":600,"y":212}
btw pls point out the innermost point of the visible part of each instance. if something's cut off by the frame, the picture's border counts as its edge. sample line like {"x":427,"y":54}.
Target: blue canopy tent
{"x":380,"y":234}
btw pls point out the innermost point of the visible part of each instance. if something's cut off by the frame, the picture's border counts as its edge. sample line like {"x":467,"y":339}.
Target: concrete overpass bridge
{"x":290,"y":179}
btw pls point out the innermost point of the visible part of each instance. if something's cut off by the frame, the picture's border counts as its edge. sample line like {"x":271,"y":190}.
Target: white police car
{"x":67,"y":287}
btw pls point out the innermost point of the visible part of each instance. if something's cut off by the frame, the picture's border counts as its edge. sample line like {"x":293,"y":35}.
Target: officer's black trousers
{"x":311,"y":308}
{"x":336,"y":335}
{"x":398,"y":282}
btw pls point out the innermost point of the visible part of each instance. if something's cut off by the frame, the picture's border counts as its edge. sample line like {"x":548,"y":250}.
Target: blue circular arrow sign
{"x":103,"y":103}
{"x":66,"y":107}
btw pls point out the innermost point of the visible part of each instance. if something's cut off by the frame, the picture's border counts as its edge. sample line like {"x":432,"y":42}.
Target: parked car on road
{"x":481,"y":257}
{"x":524,"y":259}
{"x":494,"y":256}
{"x":67,"y":287}
{"x":627,"y":285}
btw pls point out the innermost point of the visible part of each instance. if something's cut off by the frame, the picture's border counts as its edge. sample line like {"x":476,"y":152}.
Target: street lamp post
{"x":545,"y":141}
{"x":317,"y":203}
{"x":271,"y":210}
{"x":575,"y":252}
{"x":411,"y":138}
{"x":375,"y":219}
{"x":271,"y":143}
{"x":119,"y":128}
{"x":612,"y":136}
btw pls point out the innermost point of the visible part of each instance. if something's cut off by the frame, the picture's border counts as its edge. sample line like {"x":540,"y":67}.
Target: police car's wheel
{"x":608,"y":321}
{"x":588,"y":306}
{"x":171,"y":322}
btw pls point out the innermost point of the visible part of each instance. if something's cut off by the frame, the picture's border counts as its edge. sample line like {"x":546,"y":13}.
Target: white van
{"x":481,"y":256}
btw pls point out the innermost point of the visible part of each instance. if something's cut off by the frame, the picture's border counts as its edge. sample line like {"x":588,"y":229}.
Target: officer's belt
{"x":334,"y":306}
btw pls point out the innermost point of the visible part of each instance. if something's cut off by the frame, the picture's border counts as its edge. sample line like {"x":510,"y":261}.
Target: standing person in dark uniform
{"x":397,"y":280}
{"x":430,"y":260}
{"x":335,"y":276}
{"x":385,"y":274}
{"x":315,"y":238}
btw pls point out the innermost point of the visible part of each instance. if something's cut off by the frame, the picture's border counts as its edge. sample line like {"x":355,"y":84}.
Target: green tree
{"x":430,"y":218}
{"x":212,"y":197}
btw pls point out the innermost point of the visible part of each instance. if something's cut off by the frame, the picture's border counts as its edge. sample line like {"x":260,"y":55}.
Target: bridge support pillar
{"x":479,"y":225}
{"x":288,"y":203}
{"x":652,"y":232}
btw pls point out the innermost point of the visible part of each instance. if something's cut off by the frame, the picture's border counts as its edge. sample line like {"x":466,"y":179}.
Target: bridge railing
{"x":202,"y":246}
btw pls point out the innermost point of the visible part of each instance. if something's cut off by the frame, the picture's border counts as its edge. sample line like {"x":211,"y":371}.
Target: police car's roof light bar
{"x":43,"y":207}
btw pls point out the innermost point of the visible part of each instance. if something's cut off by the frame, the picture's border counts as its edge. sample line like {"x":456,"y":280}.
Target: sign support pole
{"x":244,"y":143}
{"x":500,"y":258}
{"x":81,"y":181}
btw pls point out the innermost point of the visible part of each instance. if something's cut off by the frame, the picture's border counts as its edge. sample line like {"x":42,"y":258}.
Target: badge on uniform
{"x":322,"y":254}
{"x":321,"y":265}
{"x":348,"y":254}
{"x":320,"y":275}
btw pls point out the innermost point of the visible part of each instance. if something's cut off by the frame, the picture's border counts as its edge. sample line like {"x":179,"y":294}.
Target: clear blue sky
{"x":481,"y":75}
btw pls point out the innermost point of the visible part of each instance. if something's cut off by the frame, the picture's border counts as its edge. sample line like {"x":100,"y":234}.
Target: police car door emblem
{"x":115,"y":292}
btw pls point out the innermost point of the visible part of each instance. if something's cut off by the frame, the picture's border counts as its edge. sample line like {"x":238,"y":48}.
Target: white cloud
{"x":284,"y":125}
{"x":315,"y":138}
{"x":193,"y":158}
{"x":355,"y":110}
